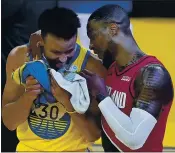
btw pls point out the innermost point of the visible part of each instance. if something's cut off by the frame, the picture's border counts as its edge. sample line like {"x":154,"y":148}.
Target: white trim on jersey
{"x":132,"y":130}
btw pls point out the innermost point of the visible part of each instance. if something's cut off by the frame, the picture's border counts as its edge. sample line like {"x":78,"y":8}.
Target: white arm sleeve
{"x":132,"y":131}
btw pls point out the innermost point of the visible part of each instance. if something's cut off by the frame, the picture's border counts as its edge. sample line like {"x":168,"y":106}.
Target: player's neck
{"x":128,"y":55}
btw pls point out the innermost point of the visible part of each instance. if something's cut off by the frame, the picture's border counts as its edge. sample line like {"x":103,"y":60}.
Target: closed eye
{"x":69,"y":51}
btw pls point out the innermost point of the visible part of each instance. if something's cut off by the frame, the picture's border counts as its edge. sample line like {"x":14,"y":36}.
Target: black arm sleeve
{"x":153,"y":89}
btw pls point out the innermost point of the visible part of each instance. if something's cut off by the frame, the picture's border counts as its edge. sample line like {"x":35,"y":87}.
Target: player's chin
{"x":60,"y":65}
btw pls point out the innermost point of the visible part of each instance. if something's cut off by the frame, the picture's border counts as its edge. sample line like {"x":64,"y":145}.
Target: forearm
{"x":131,"y":130}
{"x":15,"y":113}
{"x":85,"y":124}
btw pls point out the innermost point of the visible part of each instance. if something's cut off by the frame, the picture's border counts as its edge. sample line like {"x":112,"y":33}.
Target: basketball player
{"x":139,"y":94}
{"x":50,"y":127}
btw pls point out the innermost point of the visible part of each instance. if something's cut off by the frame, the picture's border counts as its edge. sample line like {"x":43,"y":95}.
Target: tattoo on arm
{"x":153,"y":89}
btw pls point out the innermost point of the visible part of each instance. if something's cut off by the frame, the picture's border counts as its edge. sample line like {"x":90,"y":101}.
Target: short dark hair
{"x":61,"y":22}
{"x":112,"y":13}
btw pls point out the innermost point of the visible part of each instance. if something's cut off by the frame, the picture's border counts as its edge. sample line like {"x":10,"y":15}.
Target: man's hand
{"x":96,"y":85}
{"x":35,"y":44}
{"x":60,"y":94}
{"x":32,"y":88}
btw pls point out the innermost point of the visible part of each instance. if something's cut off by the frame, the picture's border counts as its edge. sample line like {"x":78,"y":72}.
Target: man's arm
{"x":154,"y":89}
{"x":16,"y":103}
{"x":85,"y":122}
{"x":89,"y":123}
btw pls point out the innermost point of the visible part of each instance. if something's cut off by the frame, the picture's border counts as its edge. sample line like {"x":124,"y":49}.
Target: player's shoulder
{"x":94,"y":58}
{"x":18,"y":51}
{"x":95,"y":64}
{"x":93,"y":61}
{"x":154,"y":72}
{"x":157,"y":78}
{"x":17,"y":56}
{"x":157,"y":70}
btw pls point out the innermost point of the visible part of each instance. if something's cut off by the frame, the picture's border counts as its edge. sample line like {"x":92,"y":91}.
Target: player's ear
{"x":40,"y":43}
{"x":113,"y":28}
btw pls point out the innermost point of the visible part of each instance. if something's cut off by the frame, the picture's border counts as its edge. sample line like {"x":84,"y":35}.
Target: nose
{"x":63,"y":58}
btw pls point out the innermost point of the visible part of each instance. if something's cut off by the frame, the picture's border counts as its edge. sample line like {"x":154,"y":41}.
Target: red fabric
{"x":120,"y":87}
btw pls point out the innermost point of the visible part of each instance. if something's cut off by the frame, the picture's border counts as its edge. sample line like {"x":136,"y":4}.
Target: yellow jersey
{"x":49,"y":127}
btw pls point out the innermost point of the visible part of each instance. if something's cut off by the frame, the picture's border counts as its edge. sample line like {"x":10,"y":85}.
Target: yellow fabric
{"x":51,"y":121}
{"x":79,"y":61}
{"x":21,"y":147}
{"x":17,"y":74}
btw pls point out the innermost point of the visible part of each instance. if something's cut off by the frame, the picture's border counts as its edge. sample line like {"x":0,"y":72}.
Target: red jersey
{"x":121,"y":89}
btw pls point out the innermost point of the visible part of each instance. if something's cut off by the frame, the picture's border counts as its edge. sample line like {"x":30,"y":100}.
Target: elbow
{"x":11,"y":128}
{"x":134,"y":144}
{"x":7,"y":124}
{"x":94,"y":137}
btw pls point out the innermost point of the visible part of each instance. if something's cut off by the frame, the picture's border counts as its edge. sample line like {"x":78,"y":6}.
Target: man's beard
{"x":54,"y":63}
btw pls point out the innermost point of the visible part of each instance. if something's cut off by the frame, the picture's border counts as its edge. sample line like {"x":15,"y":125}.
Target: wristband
{"x":100,"y":97}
